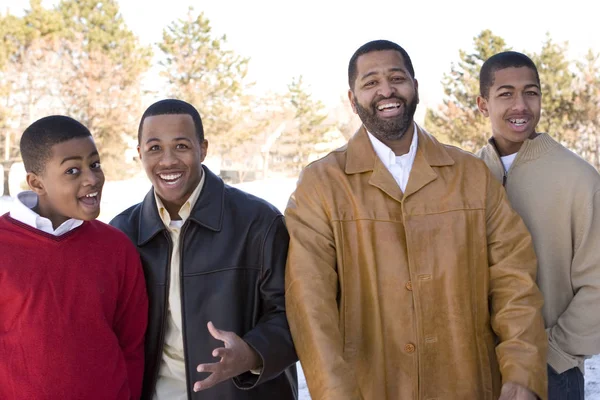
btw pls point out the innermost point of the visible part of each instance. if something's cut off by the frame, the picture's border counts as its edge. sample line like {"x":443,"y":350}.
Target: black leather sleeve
{"x":271,"y":336}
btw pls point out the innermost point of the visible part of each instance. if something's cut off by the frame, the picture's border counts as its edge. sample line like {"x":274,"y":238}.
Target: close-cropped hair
{"x":377,"y":45}
{"x":173,"y":107}
{"x":39,"y":137}
{"x":506,"y":59}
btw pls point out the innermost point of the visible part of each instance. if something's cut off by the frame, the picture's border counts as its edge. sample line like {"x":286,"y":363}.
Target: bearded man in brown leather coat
{"x":409,"y":275}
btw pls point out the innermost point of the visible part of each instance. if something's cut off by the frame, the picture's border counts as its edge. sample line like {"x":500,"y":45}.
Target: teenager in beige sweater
{"x":558,"y":196}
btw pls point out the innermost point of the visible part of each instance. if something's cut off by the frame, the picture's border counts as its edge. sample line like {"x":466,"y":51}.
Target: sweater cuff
{"x":559,"y":360}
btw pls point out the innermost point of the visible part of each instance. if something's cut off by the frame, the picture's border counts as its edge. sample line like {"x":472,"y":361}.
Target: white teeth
{"x":388,"y":106}
{"x":519,"y":121}
{"x":92,"y":194}
{"x":170,"y":177}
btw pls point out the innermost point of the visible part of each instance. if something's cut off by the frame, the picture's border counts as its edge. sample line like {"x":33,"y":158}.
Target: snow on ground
{"x":117,"y":196}
{"x":592,"y":378}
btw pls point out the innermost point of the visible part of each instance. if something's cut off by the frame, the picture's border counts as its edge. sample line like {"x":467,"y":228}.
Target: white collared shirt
{"x":399,"y":166}
{"x":171,"y":383}
{"x":22,"y":211}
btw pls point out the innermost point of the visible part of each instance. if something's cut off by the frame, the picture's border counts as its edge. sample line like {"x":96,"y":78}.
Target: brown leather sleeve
{"x":311,"y":295}
{"x":516,"y":300}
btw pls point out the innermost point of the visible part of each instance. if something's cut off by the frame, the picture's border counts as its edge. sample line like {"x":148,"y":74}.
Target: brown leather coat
{"x":428,"y":294}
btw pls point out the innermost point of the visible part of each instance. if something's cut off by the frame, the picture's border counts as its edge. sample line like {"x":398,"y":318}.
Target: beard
{"x":389,"y":128}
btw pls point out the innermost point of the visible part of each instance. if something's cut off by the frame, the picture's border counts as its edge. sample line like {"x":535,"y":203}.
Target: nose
{"x":168,"y":158}
{"x":385,"y":89}
{"x":93,"y":177}
{"x":519,"y":104}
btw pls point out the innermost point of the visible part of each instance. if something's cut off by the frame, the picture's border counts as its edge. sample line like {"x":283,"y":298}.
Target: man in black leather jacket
{"x":214,"y":260}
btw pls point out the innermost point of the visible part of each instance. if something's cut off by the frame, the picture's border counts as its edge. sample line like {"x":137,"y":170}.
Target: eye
{"x":181,"y":146}
{"x":154,"y":148}
{"x":532,"y":93}
{"x":370,"y":84}
{"x":398,"y":79}
{"x":95,"y":165}
{"x":505,"y":94}
{"x":72,"y":171}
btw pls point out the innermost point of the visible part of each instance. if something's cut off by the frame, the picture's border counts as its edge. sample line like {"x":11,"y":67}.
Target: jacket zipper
{"x":505,"y":172}
{"x":164,"y":316}
{"x":185,"y":355}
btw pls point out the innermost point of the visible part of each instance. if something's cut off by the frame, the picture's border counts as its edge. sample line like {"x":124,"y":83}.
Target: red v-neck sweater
{"x":73,"y":313}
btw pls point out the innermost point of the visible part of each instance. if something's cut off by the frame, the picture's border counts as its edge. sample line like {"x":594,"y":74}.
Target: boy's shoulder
{"x":99,"y":227}
{"x":7,"y":228}
{"x":100,"y":231}
{"x":10,"y":226}
{"x":4,"y":218}
{"x":91,"y":232}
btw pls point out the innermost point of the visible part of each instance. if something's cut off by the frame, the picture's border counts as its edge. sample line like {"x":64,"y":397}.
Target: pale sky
{"x":316,"y":38}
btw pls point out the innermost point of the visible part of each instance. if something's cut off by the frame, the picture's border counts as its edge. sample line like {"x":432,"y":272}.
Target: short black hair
{"x":377,"y":45}
{"x":506,"y":59}
{"x":39,"y":137}
{"x":172,"y":107}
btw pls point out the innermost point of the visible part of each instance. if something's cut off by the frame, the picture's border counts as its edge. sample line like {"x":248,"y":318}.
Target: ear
{"x":35,"y":183}
{"x":203,"y":150}
{"x":139,"y":152}
{"x":417,"y":90}
{"x":351,"y":98}
{"x":483,"y":106}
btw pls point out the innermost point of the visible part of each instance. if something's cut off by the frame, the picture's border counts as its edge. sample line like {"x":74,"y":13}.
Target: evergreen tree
{"x":458,"y":119}
{"x":201,"y":70}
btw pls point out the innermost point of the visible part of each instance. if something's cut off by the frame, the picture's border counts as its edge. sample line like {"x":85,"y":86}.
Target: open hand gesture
{"x":236,"y":358}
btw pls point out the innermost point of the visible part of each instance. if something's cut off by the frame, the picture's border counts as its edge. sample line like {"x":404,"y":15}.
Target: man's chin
{"x":169,"y":196}
{"x":388,"y":128}
{"x":393,"y":132}
{"x":519,"y":137}
{"x":91,"y":217}
{"x":87,"y":214}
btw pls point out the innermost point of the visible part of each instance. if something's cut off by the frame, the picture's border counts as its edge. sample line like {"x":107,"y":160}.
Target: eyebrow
{"x":535,"y":85}
{"x":78,"y":158}
{"x":174,"y":139}
{"x":395,"y":69}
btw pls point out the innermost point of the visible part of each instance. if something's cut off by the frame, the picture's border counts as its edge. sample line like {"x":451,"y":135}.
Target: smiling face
{"x":385,"y":96}
{"x":514,"y":106}
{"x":70,"y":185}
{"x":172,"y":157}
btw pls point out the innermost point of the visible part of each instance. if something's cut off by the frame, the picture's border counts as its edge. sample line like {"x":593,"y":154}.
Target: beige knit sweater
{"x":558,"y":196}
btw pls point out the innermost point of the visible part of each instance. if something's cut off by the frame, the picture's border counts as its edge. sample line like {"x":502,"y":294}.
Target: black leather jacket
{"x":233,"y":251}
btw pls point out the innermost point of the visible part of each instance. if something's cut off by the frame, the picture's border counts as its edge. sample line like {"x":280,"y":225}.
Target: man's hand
{"x":237,"y":357}
{"x":514,"y":391}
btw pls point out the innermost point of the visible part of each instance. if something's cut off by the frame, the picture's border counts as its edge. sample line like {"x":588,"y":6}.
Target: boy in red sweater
{"x":73,"y":303}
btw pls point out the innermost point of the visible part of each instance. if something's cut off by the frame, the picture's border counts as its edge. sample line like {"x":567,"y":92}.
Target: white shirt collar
{"x":22,"y":211}
{"x":387,"y":156}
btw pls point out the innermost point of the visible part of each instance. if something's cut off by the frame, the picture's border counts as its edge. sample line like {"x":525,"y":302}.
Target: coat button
{"x":408,"y":285}
{"x":409,"y":348}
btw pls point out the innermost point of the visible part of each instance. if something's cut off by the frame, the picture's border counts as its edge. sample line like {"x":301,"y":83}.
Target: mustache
{"x":520,"y":115}
{"x":380,"y":98}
